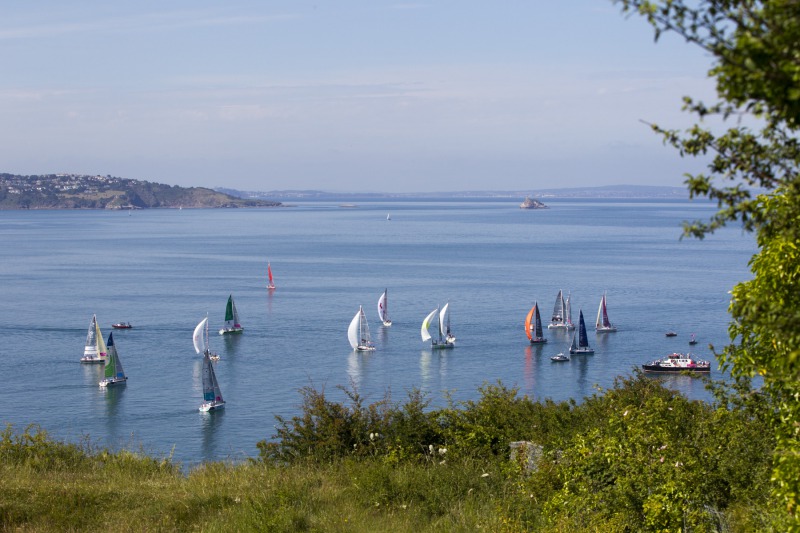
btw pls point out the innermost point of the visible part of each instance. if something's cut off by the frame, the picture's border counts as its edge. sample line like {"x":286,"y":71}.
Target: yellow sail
{"x":101,"y":344}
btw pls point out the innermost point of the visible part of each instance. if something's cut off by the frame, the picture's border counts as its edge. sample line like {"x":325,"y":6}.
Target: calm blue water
{"x":163,"y":270}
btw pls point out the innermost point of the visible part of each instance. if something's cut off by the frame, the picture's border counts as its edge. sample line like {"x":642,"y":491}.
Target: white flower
{"x":442,"y":451}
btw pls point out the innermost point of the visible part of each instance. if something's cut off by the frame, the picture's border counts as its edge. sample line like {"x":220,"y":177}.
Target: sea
{"x":164,"y":270}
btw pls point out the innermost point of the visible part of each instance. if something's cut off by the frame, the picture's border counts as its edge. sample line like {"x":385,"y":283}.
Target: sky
{"x":344,"y":96}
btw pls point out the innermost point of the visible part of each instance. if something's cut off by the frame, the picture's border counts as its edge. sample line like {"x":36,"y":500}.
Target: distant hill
{"x":608,"y":191}
{"x":74,"y":191}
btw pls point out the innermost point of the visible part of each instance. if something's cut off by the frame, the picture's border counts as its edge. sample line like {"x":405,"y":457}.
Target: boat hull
{"x":387,"y":323}
{"x":121,"y":325}
{"x":606,"y":329}
{"x":675,"y":370}
{"x":362,"y":348}
{"x":538,"y":340}
{"x":560,"y":326}
{"x":113,"y":381}
{"x":92,"y":360}
{"x":559,"y":358}
{"x":212,"y":406}
{"x":442,"y":345}
{"x":226,"y":331}
{"x":582,"y":351}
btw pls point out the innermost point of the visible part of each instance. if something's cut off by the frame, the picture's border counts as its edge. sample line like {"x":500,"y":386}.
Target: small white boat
{"x":358,"y":333}
{"x":95,"y":349}
{"x":580,"y":340}
{"x":383,"y":308}
{"x":559,"y":357}
{"x":114,"y":374}
{"x":212,"y":394}
{"x":232,"y":324}
{"x":603,"y":324}
{"x":445,"y":339}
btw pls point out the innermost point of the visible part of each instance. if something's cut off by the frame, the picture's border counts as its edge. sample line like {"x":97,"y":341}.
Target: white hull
{"x":387,"y":323}
{"x":607,"y":329}
{"x":582,"y":351}
{"x":113,"y":381}
{"x":560,"y":357}
{"x":560,"y":326}
{"x":212,"y":406}
{"x":86,"y":359}
{"x":225,"y":331}
{"x":363,"y":348}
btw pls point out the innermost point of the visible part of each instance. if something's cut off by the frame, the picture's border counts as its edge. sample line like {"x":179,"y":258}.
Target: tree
{"x":753,"y":176}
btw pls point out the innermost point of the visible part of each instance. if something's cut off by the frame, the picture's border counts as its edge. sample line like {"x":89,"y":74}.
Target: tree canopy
{"x":753,"y":176}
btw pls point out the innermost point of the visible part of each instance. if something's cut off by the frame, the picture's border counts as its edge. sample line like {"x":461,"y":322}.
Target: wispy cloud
{"x":149,"y":22}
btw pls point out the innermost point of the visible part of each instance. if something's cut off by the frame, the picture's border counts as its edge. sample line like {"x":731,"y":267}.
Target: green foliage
{"x":755,"y":47}
{"x":635,"y":457}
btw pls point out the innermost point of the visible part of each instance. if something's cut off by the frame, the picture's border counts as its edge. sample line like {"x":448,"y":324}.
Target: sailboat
{"x":580,"y":340}
{"x":270,"y":283}
{"x":231,"y":319}
{"x":445,"y":338}
{"x":533,"y":325}
{"x":693,"y":339}
{"x":603,"y":324}
{"x":358,"y":333}
{"x":388,"y":216}
{"x":200,"y":340}
{"x":383,"y":308}
{"x":113,"y":372}
{"x":562,"y":316}
{"x":212,"y":395}
{"x":95,"y":349}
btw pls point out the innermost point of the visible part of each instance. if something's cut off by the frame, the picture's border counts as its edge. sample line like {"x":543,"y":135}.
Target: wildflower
{"x":442,"y":451}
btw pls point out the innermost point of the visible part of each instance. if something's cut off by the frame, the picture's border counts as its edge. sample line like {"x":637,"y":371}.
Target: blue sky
{"x":344,"y":96}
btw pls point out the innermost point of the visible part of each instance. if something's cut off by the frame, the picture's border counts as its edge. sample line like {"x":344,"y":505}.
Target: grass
{"x":64,"y":487}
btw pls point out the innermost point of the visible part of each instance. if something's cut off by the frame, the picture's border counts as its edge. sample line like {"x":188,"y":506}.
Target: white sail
{"x":90,"y":350}
{"x":199,"y":338}
{"x":599,"y":322}
{"x":382,"y":310}
{"x":353,"y":330}
{"x":568,"y":312}
{"x":426,"y":336}
{"x":444,"y":324}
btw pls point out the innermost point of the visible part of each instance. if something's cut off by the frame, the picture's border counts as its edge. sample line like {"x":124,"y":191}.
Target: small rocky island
{"x":530,"y":203}
{"x":77,"y":191}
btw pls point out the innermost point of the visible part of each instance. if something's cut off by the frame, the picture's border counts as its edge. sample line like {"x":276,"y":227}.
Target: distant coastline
{"x":608,"y":191}
{"x":79,"y":191}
